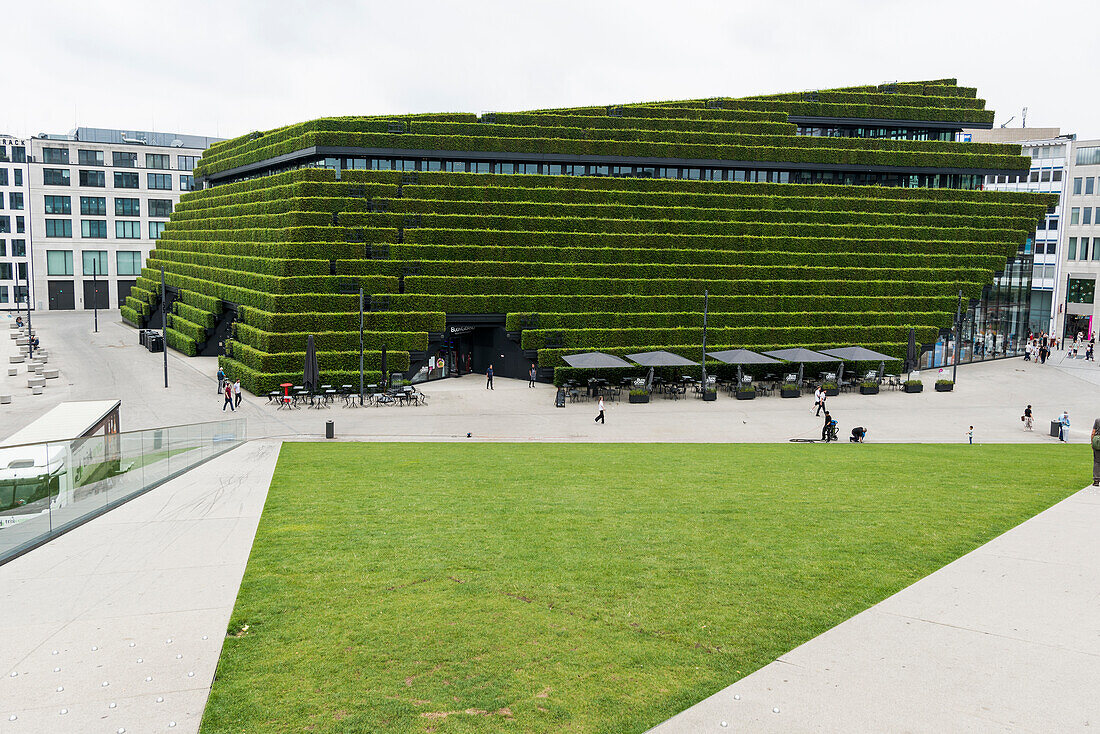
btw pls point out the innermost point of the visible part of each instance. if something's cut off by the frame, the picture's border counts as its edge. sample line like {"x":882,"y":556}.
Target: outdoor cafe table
{"x":286,"y":391}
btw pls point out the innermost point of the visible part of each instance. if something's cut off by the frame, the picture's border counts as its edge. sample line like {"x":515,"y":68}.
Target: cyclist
{"x":1029,"y":421}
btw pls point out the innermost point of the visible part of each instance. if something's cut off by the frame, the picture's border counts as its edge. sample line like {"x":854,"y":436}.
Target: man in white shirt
{"x":819,"y":396}
{"x":599,"y":418}
{"x":237,"y":392}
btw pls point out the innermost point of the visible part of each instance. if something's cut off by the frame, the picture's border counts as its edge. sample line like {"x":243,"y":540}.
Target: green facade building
{"x":814,"y":219}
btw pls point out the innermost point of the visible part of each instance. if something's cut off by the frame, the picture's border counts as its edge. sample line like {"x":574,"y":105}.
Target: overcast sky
{"x":223,"y":68}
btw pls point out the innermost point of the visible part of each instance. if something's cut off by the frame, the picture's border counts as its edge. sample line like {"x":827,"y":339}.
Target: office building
{"x":14,"y":201}
{"x":99,"y":200}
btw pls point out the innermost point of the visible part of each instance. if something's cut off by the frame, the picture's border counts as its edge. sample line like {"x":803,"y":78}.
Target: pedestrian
{"x":1063,"y":426}
{"x":237,"y":392}
{"x":1088,"y":352}
{"x":531,"y":375}
{"x":1096,"y":453}
{"x":221,"y":380}
{"x":489,"y":378}
{"x":825,"y":426}
{"x":819,"y":398}
{"x":19,"y":321}
{"x":227,"y":391}
{"x":1027,"y":352}
{"x":970,"y":435}
{"x":1029,"y":421}
{"x":599,"y":406}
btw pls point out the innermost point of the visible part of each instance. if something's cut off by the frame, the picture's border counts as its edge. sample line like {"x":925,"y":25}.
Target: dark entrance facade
{"x":62,"y":295}
{"x":472,"y":342}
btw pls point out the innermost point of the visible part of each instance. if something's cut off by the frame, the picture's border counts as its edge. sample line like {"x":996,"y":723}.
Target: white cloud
{"x":218,"y":67}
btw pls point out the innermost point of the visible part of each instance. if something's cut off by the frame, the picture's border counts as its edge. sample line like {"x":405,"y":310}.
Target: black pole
{"x":706,"y":298}
{"x":30,"y":332}
{"x":164,"y":323}
{"x":95,"y":293}
{"x":958,"y":336}
{"x":360,"y":346}
{"x":1065,"y":315}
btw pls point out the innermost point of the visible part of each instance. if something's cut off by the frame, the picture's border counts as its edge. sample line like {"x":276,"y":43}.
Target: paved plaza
{"x":112,"y":365}
{"x":1002,"y":639}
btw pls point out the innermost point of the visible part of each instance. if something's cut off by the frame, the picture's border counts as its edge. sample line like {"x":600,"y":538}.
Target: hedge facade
{"x":581,"y":263}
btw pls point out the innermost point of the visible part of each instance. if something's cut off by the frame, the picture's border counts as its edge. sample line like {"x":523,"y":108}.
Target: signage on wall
{"x":460,"y":329}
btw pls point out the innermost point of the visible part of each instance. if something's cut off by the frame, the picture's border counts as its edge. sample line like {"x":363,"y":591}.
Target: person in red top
{"x":228,"y":393}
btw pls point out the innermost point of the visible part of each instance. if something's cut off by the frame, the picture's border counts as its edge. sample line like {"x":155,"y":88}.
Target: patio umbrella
{"x":742,"y":356}
{"x":311,"y":375}
{"x":594,"y":360}
{"x":911,"y":355}
{"x":661,"y":358}
{"x":857,"y":354}
{"x":800,"y":355}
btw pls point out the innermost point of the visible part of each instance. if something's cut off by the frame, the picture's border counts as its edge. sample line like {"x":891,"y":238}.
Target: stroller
{"x":831,"y":431}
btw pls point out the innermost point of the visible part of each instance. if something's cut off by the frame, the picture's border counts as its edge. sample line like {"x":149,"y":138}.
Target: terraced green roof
{"x":586,"y":263}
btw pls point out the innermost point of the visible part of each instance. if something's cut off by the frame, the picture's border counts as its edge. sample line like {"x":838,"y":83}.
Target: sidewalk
{"x":1006,"y":638}
{"x":119,"y":623}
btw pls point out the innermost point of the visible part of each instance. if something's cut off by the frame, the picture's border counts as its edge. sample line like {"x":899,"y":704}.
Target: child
{"x":970,"y":435}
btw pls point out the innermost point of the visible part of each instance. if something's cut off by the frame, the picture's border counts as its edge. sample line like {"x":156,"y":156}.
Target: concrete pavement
{"x":111,"y":364}
{"x":118,"y":625}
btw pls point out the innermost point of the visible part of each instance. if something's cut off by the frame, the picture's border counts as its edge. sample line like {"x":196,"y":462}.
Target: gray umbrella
{"x":661,"y":358}
{"x":741,"y":356}
{"x":312,"y":372}
{"x":595,"y":360}
{"x":798,"y":354}
{"x":911,"y":354}
{"x":857,"y":354}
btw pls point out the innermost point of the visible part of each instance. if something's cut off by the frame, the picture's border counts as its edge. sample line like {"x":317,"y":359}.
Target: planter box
{"x":864,"y":390}
{"x":914,"y":388}
{"x":832,"y":392}
{"x":637,"y":398}
{"x":944,"y":388}
{"x":790,"y":393}
{"x":746,"y":394}
{"x":710,"y":396}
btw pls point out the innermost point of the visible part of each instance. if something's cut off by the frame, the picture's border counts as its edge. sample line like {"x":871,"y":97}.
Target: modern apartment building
{"x":1049,"y":151}
{"x":1075,"y":290}
{"x":99,"y":200}
{"x":14,"y":200}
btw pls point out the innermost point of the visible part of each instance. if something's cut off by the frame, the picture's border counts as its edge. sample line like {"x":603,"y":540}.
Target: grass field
{"x":583,"y":588}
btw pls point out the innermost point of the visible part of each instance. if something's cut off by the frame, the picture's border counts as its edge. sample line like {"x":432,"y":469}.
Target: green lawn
{"x":583,"y":588}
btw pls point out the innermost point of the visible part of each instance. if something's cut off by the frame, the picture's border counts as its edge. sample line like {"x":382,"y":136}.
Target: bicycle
{"x":831,"y":432}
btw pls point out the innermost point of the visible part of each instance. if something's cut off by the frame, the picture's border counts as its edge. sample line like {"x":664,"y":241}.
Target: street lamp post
{"x":164,"y":323}
{"x":95,"y":294}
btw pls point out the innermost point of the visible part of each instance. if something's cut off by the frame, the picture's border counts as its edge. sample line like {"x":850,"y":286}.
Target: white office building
{"x":14,"y":201}
{"x":99,"y":200}
{"x":1049,"y":151}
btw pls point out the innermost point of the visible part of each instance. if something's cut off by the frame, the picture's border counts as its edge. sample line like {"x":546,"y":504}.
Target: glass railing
{"x":49,"y":488}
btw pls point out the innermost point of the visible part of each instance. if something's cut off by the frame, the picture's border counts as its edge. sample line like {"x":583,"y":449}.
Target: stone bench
{"x":36,"y":381}
{"x":15,"y":359}
{"x":5,"y":399}
{"x":50,"y":373}
{"x":37,"y":389}
{"x":13,"y":371}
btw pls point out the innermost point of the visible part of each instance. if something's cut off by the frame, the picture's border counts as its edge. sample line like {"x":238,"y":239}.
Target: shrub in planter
{"x":914,"y":386}
{"x":831,"y":389}
{"x":868,"y":388}
{"x":710,"y":395}
{"x":789,"y":390}
{"x":746,"y":393}
{"x":638,"y":396}
{"x":945,"y":385}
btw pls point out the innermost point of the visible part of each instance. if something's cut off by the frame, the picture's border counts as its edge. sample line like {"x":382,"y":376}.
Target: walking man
{"x":819,"y":397}
{"x":531,"y":375}
{"x":237,"y":393}
{"x":221,"y":379}
{"x":599,"y":418}
{"x":970,"y":435}
{"x":228,"y":393}
{"x":489,"y":378}
{"x":825,"y":427}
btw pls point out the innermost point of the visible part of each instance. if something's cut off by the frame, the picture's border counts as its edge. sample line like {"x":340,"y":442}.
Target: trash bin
{"x":330,"y":429}
{"x":1054,"y":428}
